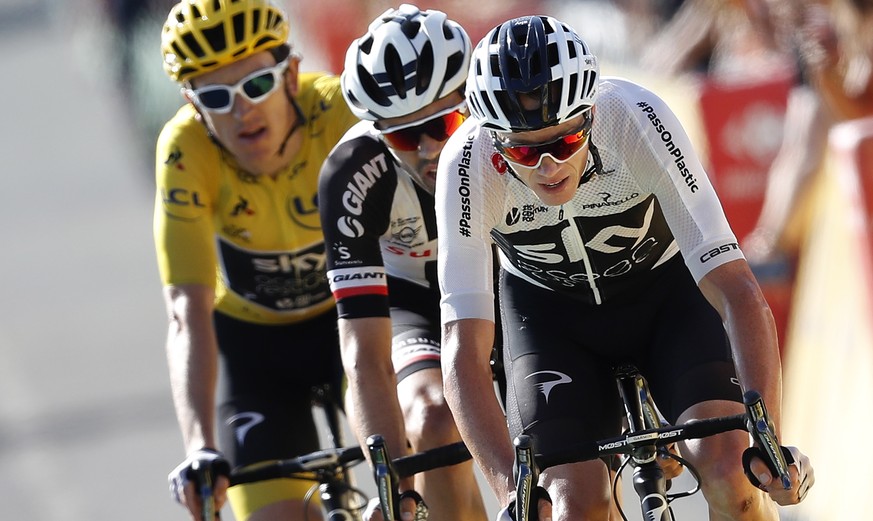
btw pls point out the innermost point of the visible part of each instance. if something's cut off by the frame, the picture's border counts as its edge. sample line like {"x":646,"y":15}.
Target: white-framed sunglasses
{"x":255,"y":87}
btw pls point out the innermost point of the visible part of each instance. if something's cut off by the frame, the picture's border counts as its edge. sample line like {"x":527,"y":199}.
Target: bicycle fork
{"x":648,"y":478}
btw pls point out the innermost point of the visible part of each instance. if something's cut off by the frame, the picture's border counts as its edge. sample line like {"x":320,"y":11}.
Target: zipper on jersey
{"x":589,"y":271}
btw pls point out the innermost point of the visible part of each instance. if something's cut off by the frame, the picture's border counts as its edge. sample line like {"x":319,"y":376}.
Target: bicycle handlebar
{"x":627,"y":442}
{"x":330,"y":459}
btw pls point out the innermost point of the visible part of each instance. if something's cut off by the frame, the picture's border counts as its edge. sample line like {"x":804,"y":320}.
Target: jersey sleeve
{"x":689,"y":201}
{"x":184,"y":234}
{"x":356,"y":187}
{"x":464,"y":261}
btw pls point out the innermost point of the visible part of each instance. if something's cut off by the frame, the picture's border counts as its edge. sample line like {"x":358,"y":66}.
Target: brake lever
{"x":760,"y":426}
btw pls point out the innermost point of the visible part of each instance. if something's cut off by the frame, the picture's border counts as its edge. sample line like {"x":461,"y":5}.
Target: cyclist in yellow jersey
{"x":240,"y":248}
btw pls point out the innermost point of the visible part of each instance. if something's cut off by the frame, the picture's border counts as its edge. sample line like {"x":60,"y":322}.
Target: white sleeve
{"x":689,"y":201}
{"x":465,"y":262}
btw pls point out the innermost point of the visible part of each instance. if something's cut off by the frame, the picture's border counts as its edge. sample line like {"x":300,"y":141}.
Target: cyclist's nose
{"x":548,"y":165}
{"x":429,"y":148}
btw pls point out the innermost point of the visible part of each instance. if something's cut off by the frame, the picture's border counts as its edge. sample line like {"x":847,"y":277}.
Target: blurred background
{"x":776,"y":95}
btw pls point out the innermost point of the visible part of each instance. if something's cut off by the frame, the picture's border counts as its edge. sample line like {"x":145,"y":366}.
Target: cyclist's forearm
{"x":733,"y":291}
{"x":469,"y":391}
{"x":192,"y":359}
{"x":373,"y":407}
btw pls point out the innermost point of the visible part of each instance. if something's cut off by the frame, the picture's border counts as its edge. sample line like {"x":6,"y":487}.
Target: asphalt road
{"x":87,"y":430}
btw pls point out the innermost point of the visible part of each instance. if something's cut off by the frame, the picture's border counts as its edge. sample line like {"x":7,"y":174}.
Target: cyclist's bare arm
{"x":372,"y":405}
{"x":466,"y":354}
{"x":733,"y":291}
{"x":192,"y":358}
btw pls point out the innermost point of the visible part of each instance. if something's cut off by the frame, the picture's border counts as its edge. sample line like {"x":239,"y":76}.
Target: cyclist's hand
{"x":373,"y":512}
{"x":183,"y":488}
{"x":412,"y":506}
{"x":671,"y":467}
{"x":799,"y":470}
{"x":544,"y":508}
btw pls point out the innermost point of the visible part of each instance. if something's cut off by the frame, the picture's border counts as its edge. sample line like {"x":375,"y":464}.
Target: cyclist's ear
{"x":292,"y":74}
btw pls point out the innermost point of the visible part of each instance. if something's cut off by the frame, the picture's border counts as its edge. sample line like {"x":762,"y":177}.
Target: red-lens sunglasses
{"x":561,"y":149}
{"x":440,"y":126}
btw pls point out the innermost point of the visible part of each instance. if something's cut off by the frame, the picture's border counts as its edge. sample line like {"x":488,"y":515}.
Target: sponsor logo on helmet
{"x":672,"y":148}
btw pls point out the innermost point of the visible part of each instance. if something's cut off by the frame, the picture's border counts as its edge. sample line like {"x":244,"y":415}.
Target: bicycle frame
{"x":647,"y":432}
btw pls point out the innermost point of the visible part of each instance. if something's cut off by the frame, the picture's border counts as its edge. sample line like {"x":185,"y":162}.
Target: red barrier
{"x":743,"y":124}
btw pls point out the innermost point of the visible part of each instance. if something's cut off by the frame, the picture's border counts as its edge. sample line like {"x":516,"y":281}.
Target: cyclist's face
{"x":422,"y":161}
{"x":553,"y":182}
{"x":252,"y":131}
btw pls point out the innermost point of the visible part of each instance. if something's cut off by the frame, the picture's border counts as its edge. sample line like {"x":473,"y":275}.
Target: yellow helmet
{"x":203,"y":35}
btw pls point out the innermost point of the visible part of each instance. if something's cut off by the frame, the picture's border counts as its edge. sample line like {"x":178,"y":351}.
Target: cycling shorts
{"x":559,"y":355}
{"x":265,"y":397}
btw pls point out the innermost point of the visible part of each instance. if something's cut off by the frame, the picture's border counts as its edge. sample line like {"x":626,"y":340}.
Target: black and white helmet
{"x":407,"y":59}
{"x":538,"y":57}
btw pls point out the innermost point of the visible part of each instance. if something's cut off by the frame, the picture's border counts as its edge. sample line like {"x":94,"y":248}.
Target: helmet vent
{"x":410,"y":28}
{"x":192,"y":44}
{"x":396,"y":76}
{"x":256,"y":22}
{"x":371,"y":87}
{"x":424,"y":69}
{"x":571,"y":89}
{"x":454,"y":64}
{"x":216,"y":38}
{"x":239,"y":26}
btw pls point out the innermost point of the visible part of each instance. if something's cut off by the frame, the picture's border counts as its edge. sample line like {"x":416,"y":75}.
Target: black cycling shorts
{"x":415,"y":326}
{"x":267,"y":373}
{"x":559,"y":354}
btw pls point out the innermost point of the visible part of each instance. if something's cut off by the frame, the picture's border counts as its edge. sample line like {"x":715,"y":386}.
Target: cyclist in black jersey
{"x":405,"y":79}
{"x":613,"y":249}
{"x":252,"y":322}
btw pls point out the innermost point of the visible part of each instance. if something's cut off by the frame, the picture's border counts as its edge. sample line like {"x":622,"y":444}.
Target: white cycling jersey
{"x":650,"y":200}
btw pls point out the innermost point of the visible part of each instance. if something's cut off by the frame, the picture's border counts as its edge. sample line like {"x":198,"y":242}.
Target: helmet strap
{"x":299,"y":121}
{"x":596,"y":164}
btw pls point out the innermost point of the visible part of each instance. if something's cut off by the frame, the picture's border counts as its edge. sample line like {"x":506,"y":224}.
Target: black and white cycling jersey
{"x":650,"y":200}
{"x":378,"y":225}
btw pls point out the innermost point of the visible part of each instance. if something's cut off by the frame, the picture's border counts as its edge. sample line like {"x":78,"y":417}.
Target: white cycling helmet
{"x":407,"y":59}
{"x":536,"y":57}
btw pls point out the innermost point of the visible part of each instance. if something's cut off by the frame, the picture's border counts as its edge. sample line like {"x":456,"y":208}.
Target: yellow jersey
{"x":256,"y":240}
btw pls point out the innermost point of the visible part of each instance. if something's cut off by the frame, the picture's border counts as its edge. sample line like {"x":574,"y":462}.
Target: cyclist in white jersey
{"x":613,"y":249}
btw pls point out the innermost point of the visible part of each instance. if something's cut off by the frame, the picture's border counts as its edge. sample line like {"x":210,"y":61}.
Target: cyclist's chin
{"x":255,"y":155}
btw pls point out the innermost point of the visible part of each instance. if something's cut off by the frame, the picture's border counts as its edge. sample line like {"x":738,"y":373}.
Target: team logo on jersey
{"x":236,"y":232}
{"x":361,"y":183}
{"x":241,"y":208}
{"x":406,"y":231}
{"x":350,"y":227}
{"x":526,"y":213}
{"x":304,"y":212}
{"x":181,"y":197}
{"x":175,"y":159}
